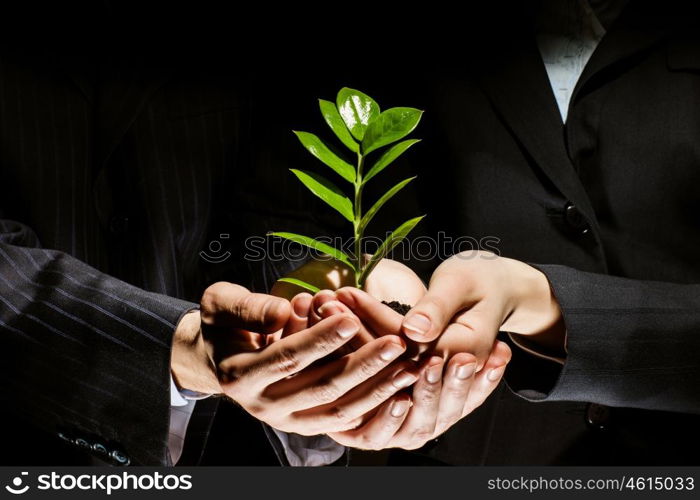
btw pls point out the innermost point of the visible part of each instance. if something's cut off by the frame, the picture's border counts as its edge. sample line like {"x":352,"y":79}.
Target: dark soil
{"x":397,"y":306}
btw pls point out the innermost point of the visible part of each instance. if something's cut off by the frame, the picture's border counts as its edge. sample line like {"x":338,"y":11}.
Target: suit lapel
{"x":636,"y":30}
{"x":515,"y":80}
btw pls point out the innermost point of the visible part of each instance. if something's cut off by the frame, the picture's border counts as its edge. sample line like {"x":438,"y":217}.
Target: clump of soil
{"x":397,"y":306}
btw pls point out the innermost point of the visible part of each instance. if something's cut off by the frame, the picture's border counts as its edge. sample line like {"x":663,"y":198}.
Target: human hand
{"x":222,"y":350}
{"x":448,"y":388}
{"x":474,"y":295}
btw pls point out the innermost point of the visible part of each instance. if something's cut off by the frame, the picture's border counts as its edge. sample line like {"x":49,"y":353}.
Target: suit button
{"x":99,"y":448}
{"x":120,"y":458}
{"x":81,"y":443}
{"x":575,"y":219}
{"x":597,"y":416}
{"x":119,"y":224}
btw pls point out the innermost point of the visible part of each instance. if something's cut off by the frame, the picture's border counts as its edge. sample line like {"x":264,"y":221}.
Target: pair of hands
{"x":272,"y":356}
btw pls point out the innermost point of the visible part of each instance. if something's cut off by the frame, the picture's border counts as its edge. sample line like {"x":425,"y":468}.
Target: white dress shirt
{"x":568,"y":32}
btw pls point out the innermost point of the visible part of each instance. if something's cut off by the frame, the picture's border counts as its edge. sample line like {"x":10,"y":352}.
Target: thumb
{"x":431,"y":315}
{"x":228,"y":304}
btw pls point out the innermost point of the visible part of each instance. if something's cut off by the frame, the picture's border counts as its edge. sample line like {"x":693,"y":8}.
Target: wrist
{"x":535,"y":311}
{"x":190,"y":364}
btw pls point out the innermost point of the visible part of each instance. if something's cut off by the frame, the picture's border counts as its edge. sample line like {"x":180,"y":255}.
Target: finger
{"x":290,"y":354}
{"x":381,"y":319}
{"x":299,"y":319}
{"x":228,"y":304}
{"x":420,"y":423}
{"x":447,"y":295}
{"x":349,"y":410}
{"x":377,"y":433}
{"x":482,"y":322}
{"x":319,"y":299}
{"x":456,"y":384}
{"x":325,"y":384}
{"x":331,"y":307}
{"x":322,"y":297}
{"x":474,"y":339}
{"x":488,"y":379}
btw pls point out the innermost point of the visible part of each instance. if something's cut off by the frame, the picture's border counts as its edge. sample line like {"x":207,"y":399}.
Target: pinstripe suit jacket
{"x":113,"y":176}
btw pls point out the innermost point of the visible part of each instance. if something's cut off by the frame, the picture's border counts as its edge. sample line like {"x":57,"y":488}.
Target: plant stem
{"x":356,"y":221}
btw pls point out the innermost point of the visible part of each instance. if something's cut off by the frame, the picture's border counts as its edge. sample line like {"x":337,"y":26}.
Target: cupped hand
{"x":449,"y":387}
{"x":290,"y":384}
{"x":474,"y":295}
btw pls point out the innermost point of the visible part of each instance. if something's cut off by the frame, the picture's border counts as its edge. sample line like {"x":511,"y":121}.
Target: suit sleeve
{"x":629,"y":344}
{"x":85,"y":356}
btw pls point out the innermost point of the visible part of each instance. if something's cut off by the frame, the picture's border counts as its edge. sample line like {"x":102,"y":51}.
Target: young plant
{"x":357,"y":121}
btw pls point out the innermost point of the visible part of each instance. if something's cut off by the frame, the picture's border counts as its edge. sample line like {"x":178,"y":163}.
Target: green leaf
{"x":327,"y":191}
{"x":392,"y":240}
{"x":386,"y":197}
{"x":316,"y":245}
{"x":303,"y":284}
{"x":357,"y":110}
{"x":390,"y":126}
{"x":317,"y":148}
{"x":337,"y":125}
{"x":388,"y":157}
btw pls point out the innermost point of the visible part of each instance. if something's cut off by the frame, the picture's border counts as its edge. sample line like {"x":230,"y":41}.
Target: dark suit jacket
{"x":127,"y":167}
{"x":114,"y":172}
{"x":607,"y":207}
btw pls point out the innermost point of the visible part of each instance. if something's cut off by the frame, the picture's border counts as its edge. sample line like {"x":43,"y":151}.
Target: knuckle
{"x":446,"y":422}
{"x":367,"y":367}
{"x":325,"y":392}
{"x":286,"y":361}
{"x":366,"y":442}
{"x":326,"y":343}
{"x":256,"y":409}
{"x":243,"y":308}
{"x":382,"y":392}
{"x":455,"y":392}
{"x":422,"y":435}
{"x":427,"y":396}
{"x":338,"y":414}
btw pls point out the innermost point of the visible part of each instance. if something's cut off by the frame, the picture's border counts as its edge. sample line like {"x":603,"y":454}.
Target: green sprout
{"x":357,"y":121}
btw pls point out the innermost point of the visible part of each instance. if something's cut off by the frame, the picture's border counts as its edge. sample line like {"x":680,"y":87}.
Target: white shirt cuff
{"x":308,"y":451}
{"x":182,"y":403}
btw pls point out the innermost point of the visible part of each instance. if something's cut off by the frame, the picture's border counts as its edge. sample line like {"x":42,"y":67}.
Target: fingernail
{"x":418,"y":323}
{"x":347,"y":328}
{"x":434,"y":373}
{"x":301,"y":306}
{"x":329,"y":309}
{"x":495,"y":374}
{"x":398,"y":408}
{"x":463,"y":372}
{"x":403,"y":379}
{"x":391,"y":351}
